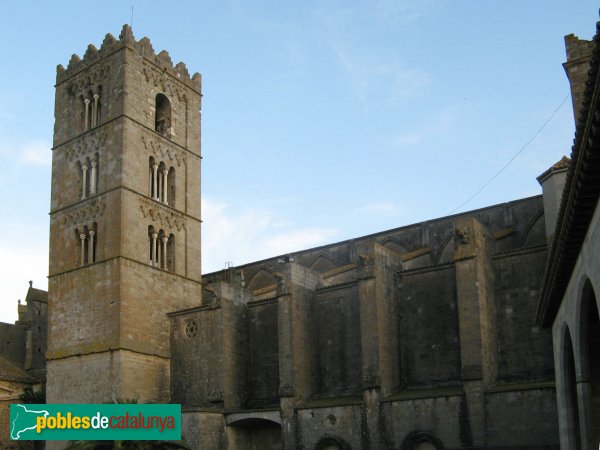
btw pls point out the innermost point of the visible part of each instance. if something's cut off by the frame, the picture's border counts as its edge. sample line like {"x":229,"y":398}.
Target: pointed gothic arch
{"x":395,"y":245}
{"x":323,"y":263}
{"x":261,"y":279}
{"x":535,"y":232}
{"x":446,"y":253}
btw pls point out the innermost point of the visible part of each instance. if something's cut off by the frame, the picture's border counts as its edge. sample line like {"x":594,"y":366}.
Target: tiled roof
{"x":10,"y":372}
{"x":579,"y":199}
{"x":563,"y":164}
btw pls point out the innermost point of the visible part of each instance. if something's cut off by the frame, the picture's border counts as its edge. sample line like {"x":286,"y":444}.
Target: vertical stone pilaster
{"x":566,"y":416}
{"x":233,"y":303}
{"x":288,"y":423}
{"x":474,"y":285}
{"x":584,"y":395}
{"x":295,"y":292}
{"x":376,"y":269}
{"x":367,"y":294}
{"x":372,"y":412}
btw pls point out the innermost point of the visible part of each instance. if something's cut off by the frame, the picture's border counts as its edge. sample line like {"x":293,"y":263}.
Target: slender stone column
{"x":164,"y":252}
{"x":91,"y":258}
{"x":158,"y":186}
{"x":155,"y":181}
{"x":165,"y":186}
{"x":155,"y":248}
{"x":95,"y":118}
{"x":87,"y":114}
{"x":82,"y":237}
{"x":93,"y":178}
{"x":84,"y":168}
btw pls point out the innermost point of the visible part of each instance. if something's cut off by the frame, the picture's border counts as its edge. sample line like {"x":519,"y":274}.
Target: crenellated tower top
{"x":142,"y":47}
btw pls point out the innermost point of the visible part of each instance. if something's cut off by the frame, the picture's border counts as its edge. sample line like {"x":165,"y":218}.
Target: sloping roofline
{"x":579,"y":198}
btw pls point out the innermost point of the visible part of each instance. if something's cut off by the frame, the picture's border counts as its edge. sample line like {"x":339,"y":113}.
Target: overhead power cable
{"x":537,"y":133}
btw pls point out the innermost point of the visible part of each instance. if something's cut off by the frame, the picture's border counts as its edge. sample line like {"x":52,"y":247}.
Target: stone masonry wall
{"x":263,"y":355}
{"x":428,"y":328}
{"x":524,"y":351}
{"x":197,"y":360}
{"x":337,"y":342}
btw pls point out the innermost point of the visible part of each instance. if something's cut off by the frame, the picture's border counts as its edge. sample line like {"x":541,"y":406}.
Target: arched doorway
{"x":332,"y":443}
{"x":420,"y":440}
{"x":254,"y":434}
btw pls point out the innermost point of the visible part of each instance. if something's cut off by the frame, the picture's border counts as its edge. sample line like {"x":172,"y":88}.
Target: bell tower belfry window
{"x":125,"y":215}
{"x":162,"y":122}
{"x":90,"y":108}
{"x":161,"y":182}
{"x":88,"y":176}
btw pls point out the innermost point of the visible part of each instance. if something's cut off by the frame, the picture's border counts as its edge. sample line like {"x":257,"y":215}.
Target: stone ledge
{"x":423,"y":394}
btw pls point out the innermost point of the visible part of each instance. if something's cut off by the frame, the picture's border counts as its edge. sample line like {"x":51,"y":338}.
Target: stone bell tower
{"x":124,"y":220}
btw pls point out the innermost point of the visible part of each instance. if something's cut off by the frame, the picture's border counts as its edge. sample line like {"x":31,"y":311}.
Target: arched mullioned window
{"x":86,"y":244}
{"x":91,"y":108}
{"x":88,"y":175}
{"x":161,"y":249}
{"x":161,"y":182}
{"x":162,"y":118}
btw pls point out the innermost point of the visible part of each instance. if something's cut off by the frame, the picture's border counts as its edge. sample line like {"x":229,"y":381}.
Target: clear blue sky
{"x":322,"y":120}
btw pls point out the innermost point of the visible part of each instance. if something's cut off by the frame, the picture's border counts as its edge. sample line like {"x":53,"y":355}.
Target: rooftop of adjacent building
{"x":582,"y":189}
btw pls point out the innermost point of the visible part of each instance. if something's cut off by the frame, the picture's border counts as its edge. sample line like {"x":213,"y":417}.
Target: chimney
{"x":553,"y":184}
